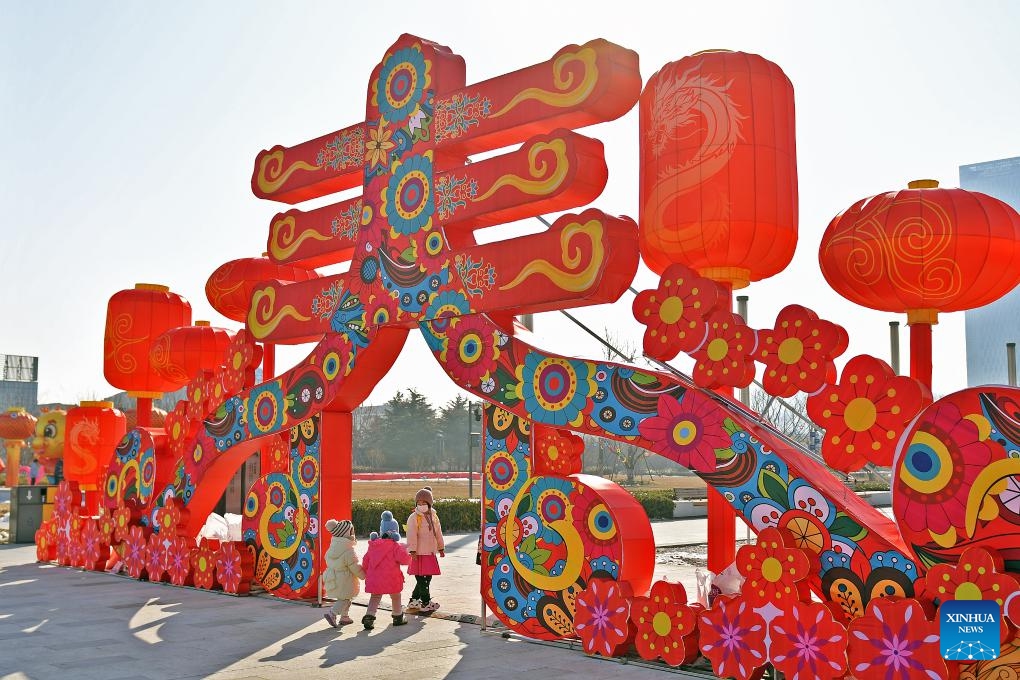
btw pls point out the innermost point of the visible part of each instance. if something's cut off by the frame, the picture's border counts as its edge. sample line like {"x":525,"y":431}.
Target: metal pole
{"x":471,"y":454}
{"x":745,"y":392}
{"x":894,"y":345}
{"x":1011,"y":362}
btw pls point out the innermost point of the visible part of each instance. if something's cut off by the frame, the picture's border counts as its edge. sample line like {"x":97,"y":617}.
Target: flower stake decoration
{"x":774,"y":572}
{"x":234,"y":568}
{"x":602,"y":617}
{"x":799,"y":352}
{"x":203,"y":565}
{"x":135,"y":552}
{"x":674,"y":313}
{"x":979,"y":575}
{"x":895,"y":641}
{"x":726,"y":357}
{"x":732,"y":636}
{"x":808,"y":643}
{"x":666,"y":626}
{"x":557,"y":452}
{"x":178,"y":561}
{"x":866,"y":413}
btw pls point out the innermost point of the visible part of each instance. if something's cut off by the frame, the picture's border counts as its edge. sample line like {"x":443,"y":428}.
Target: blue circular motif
{"x":401,"y":82}
{"x":407,"y":199}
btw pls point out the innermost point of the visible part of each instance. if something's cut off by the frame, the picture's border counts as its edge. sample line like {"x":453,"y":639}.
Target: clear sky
{"x":129,"y":133}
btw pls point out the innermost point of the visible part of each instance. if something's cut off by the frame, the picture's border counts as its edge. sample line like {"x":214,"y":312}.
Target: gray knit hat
{"x":343,"y":528}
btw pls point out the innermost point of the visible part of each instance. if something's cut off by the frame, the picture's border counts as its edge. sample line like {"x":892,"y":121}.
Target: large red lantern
{"x":922,"y":251}
{"x":16,"y":425}
{"x":93,"y":430}
{"x":134,"y":319}
{"x":719,"y":167}
{"x":180,"y":353}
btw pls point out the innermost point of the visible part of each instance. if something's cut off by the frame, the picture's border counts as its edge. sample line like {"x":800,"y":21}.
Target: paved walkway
{"x":63,"y":623}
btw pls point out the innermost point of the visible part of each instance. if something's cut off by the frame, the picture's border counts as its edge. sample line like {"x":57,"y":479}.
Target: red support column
{"x":722,"y":518}
{"x":143,"y":411}
{"x":920,"y":322}
{"x":336,"y":430}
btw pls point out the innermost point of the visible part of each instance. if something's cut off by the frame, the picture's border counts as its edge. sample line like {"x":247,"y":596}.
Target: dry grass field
{"x":458,"y":488}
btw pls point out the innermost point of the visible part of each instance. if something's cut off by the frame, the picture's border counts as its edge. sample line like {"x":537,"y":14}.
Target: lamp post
{"x":473,"y":409}
{"x":441,"y":450}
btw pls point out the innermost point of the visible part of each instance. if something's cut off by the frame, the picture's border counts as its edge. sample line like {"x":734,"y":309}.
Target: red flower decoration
{"x":866,"y":413}
{"x":203,"y":566}
{"x":156,"y":557}
{"x":121,"y":524}
{"x":75,"y":555}
{"x":93,"y":552}
{"x":688,"y":431}
{"x":895,"y":641}
{"x":725,"y":360}
{"x":168,"y":518}
{"x":243,"y":356}
{"x":808,"y":643}
{"x":674,"y":313}
{"x":178,"y":561}
{"x":470,"y":350}
{"x":178,"y":428}
{"x":64,"y":540}
{"x":942,"y":461}
{"x":45,"y":548}
{"x":67,"y":499}
{"x":105,"y":525}
{"x":381,"y":309}
{"x":799,"y":352}
{"x":666,"y":625}
{"x":772,"y":570}
{"x":601,"y":617}
{"x":733,"y":638}
{"x":198,"y":395}
{"x":135,"y":548}
{"x":979,"y":575}
{"x":557,"y":452}
{"x":234,"y":568}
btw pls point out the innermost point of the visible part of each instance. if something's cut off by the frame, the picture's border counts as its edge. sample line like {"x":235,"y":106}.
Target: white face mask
{"x":423,"y":509}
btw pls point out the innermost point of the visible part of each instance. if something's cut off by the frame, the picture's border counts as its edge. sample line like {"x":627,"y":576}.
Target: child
{"x":388,"y":525}
{"x":424,"y":540}
{"x":383,"y":576}
{"x":340,"y":578}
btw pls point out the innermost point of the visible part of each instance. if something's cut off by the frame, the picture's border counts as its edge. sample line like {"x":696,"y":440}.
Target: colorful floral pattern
{"x":808,"y":643}
{"x":799,"y":352}
{"x":93,"y":553}
{"x":234,"y":568}
{"x":203,"y":565}
{"x":602,"y":617}
{"x":407,"y":200}
{"x":733,"y":638}
{"x":726,"y":357}
{"x":866,"y":413}
{"x":674,"y":313}
{"x":178,"y":561}
{"x":135,"y":552}
{"x":470,"y":351}
{"x":156,"y":557}
{"x":689,"y":431}
{"x":557,"y":452}
{"x":555,"y":390}
{"x":772,"y":571}
{"x":894,"y":641}
{"x":666,"y":626}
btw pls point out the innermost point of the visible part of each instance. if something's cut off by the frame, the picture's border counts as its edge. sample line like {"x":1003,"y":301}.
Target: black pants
{"x":421,"y":589}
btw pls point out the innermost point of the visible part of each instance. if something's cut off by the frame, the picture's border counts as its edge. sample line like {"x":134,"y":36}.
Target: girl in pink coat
{"x":424,"y":541}
{"x":383,"y":576}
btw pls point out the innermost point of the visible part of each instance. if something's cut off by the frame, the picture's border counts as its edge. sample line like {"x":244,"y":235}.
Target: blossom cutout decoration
{"x":178,"y":428}
{"x":865,"y":414}
{"x":156,"y":557}
{"x":93,"y":553}
{"x":674,"y":313}
{"x":733,"y":638}
{"x":178,"y":561}
{"x":557,"y":452}
{"x":808,"y":642}
{"x":941,"y":462}
{"x":121,"y":524}
{"x":895,"y":641}
{"x":666,"y":626}
{"x":234,"y":568}
{"x":198,"y":395}
{"x":979,"y":575}
{"x":135,"y":549}
{"x":243,"y":356}
{"x":726,"y":357}
{"x":203,"y":566}
{"x":168,"y":518}
{"x":772,"y":570}
{"x":799,"y":352}
{"x":687,"y":431}
{"x":601,"y":617}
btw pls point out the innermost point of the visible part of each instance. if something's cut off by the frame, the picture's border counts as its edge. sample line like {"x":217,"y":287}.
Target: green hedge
{"x":459,"y":515}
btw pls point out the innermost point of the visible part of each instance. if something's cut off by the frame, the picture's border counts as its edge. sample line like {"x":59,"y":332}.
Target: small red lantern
{"x":719,"y":167}
{"x":922,"y":251}
{"x":134,"y":319}
{"x":230,"y":286}
{"x":93,"y":429}
{"x":180,"y":353}
{"x":16,"y":425}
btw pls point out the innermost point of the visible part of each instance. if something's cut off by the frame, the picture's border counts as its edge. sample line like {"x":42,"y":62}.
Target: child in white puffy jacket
{"x":343,"y":575}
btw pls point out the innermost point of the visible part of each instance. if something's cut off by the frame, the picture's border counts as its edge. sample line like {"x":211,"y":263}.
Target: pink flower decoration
{"x":808,"y":643}
{"x":688,"y":431}
{"x":895,"y":641}
{"x":178,"y":561}
{"x":733,"y":638}
{"x":601,"y":617}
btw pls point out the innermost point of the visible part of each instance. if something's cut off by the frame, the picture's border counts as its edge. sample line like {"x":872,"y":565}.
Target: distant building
{"x":19,"y":382}
{"x":989,"y":328}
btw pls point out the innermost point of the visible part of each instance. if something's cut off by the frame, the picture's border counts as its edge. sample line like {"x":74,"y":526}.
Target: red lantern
{"x":719,"y":167}
{"x":157,"y":418}
{"x":922,"y":251}
{"x":93,"y":429}
{"x":16,"y":425}
{"x":230,"y":286}
{"x":134,"y":319}
{"x":180,"y":353}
